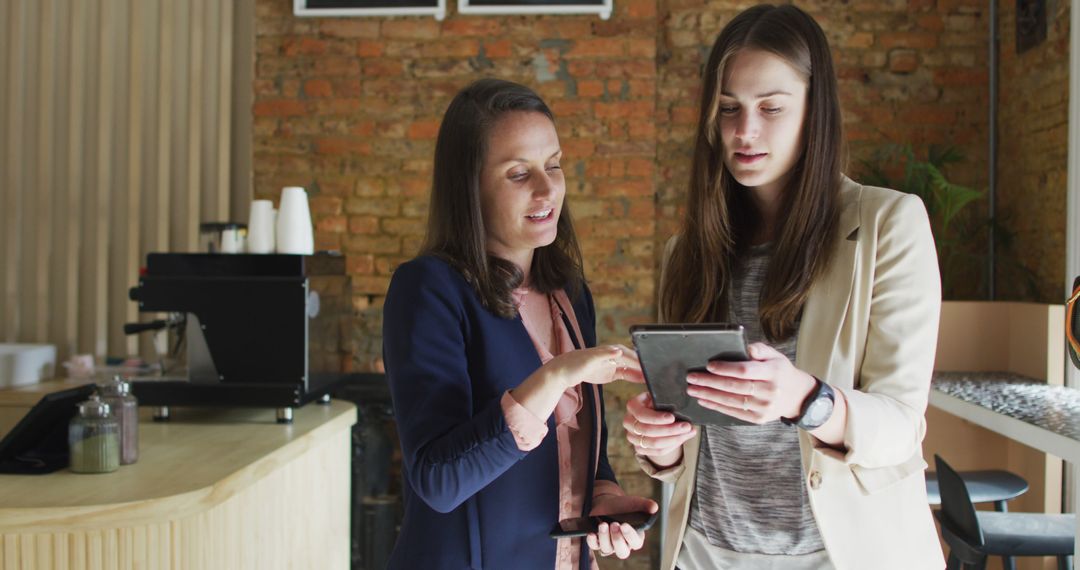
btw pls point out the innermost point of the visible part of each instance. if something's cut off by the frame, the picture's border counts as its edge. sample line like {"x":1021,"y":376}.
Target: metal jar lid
{"x":117,"y":387}
{"x":93,"y":407}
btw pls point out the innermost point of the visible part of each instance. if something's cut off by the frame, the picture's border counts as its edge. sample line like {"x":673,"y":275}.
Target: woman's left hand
{"x":761,"y":390}
{"x":618,"y":539}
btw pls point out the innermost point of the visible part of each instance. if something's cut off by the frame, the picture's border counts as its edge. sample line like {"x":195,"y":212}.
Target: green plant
{"x":897,"y":166}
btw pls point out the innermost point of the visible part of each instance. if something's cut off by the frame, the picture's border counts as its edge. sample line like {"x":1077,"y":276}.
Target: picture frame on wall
{"x":360,"y":8}
{"x":601,"y":8}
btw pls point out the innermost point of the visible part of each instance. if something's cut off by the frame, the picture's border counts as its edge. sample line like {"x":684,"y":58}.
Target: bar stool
{"x":973,"y":535}
{"x":990,"y":486}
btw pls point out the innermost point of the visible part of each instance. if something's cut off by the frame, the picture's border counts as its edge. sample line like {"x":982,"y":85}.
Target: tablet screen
{"x":669,"y":352}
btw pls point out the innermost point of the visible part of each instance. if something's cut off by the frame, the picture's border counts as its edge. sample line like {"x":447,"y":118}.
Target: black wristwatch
{"x":817,"y":408}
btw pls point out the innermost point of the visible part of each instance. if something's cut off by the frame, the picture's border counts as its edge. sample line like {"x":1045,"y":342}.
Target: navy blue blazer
{"x":472,"y":498}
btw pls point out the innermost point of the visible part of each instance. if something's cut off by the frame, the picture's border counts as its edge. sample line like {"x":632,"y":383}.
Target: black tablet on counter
{"x":38,"y":444}
{"x":669,"y":352}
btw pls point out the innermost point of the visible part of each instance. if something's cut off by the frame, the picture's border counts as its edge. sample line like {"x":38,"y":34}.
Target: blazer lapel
{"x":827,"y":304}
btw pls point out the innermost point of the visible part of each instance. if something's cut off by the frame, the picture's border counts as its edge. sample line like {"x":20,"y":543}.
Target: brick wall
{"x":1033,"y":145}
{"x":349,"y":108}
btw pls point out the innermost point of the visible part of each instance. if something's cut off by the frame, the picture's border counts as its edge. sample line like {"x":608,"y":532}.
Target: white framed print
{"x":601,"y":8}
{"x":353,"y":8}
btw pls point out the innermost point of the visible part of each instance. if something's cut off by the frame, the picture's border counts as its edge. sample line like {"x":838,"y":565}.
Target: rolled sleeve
{"x":528,"y":429}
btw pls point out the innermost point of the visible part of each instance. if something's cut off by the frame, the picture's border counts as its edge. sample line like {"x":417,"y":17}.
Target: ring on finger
{"x":752,"y":389}
{"x":745,"y":403}
{"x":635,"y":428}
{"x":641,"y":441}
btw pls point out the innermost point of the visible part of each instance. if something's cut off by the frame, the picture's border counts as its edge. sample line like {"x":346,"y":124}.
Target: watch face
{"x":817,"y":413}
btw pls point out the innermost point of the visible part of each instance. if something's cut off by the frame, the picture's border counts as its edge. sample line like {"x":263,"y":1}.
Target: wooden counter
{"x":213,"y":488}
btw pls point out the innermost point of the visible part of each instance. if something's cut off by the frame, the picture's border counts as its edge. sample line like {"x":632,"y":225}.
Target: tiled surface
{"x":1053,"y":408}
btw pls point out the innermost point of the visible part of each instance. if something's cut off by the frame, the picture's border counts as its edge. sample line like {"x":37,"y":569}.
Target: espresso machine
{"x":261,"y":330}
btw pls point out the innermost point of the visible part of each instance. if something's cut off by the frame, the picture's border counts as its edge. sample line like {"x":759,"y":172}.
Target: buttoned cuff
{"x":528,"y":429}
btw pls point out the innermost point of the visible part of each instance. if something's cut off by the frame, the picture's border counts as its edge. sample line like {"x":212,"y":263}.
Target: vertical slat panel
{"x":55,"y":285}
{"x":116,"y":121}
{"x":6,"y":190}
{"x":28,"y":155}
{"x":119,"y":12}
{"x":160,"y":219}
{"x":13,"y":173}
{"x":181,"y":236}
{"x":193,"y":197}
{"x":242,"y":73}
{"x":224,"y":103}
{"x":42,"y":216}
{"x":123,"y":239}
{"x":210,"y":20}
{"x":150,"y":22}
{"x":89,"y":306}
{"x":99,"y":203}
{"x":64,"y":315}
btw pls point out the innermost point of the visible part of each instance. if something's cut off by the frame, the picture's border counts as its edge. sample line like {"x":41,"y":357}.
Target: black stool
{"x":992,"y":486}
{"x":973,"y":535}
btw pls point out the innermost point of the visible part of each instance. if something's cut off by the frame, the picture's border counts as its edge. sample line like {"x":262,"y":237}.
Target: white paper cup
{"x":261,"y":234}
{"x":294,"y":230}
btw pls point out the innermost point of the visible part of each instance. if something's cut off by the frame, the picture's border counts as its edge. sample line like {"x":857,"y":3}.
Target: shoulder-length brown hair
{"x":455,"y":229}
{"x":720,"y":218}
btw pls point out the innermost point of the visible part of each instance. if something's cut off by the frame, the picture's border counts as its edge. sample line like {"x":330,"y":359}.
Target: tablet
{"x":38,"y":443}
{"x":669,"y":352}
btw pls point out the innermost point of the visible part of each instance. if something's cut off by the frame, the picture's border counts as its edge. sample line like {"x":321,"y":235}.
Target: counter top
{"x":1037,"y":414}
{"x":1053,"y":408}
{"x":199,"y":458}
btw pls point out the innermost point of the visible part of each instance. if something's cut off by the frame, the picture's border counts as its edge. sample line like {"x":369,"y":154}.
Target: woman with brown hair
{"x":489,"y":339}
{"x":838,"y":284}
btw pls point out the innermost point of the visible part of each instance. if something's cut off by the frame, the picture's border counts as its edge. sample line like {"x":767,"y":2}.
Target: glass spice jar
{"x":125,"y":408}
{"x":94,"y":438}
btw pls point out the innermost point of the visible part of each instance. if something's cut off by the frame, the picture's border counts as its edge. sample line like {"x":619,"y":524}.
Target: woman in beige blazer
{"x":840,"y":284}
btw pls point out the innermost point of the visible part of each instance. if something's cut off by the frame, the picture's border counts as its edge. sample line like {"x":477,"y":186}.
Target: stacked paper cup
{"x":261,"y":224}
{"x":294,"y":231}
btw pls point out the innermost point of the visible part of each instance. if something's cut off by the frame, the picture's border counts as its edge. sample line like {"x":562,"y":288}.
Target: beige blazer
{"x":869,"y":329}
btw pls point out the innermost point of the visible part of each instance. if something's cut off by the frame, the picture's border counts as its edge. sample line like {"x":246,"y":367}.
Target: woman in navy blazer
{"x":491,"y":462}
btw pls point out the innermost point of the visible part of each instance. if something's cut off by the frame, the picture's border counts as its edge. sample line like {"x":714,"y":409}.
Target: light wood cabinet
{"x":213,"y":488}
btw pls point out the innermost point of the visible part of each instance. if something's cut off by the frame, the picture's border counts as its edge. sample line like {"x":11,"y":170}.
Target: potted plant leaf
{"x":897,"y":166}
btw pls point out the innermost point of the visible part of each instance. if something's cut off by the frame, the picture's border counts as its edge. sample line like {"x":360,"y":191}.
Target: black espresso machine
{"x":262,"y":330}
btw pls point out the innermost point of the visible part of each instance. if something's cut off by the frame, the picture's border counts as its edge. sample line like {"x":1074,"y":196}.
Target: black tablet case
{"x":669,"y":352}
{"x":38,"y":444}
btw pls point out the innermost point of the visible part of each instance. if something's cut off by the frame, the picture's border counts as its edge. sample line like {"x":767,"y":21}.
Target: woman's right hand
{"x":655,"y":434}
{"x":597,"y":365}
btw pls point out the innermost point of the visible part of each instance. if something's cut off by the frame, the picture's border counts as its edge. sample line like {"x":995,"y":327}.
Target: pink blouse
{"x":573,"y":427}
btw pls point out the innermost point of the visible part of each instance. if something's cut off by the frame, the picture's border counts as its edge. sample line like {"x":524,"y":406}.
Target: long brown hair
{"x":455,"y":229}
{"x":720,"y":218}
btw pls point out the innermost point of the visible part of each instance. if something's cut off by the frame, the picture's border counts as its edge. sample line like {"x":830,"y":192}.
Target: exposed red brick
{"x":903,"y":61}
{"x":349,"y":28}
{"x":495,"y":49}
{"x":318,"y":88}
{"x":923,"y":40}
{"x":340,"y":145}
{"x":369,"y":48}
{"x":335,"y":224}
{"x":303,"y":46}
{"x":482,"y":27}
{"x":279,"y":108}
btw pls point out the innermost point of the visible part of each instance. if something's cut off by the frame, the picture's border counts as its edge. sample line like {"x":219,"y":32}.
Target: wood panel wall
{"x":117,"y":139}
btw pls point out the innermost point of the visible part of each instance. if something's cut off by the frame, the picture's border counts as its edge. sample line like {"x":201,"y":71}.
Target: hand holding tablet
{"x":669,"y":352}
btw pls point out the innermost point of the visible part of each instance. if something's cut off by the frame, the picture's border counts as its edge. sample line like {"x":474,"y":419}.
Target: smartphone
{"x":571,"y":528}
